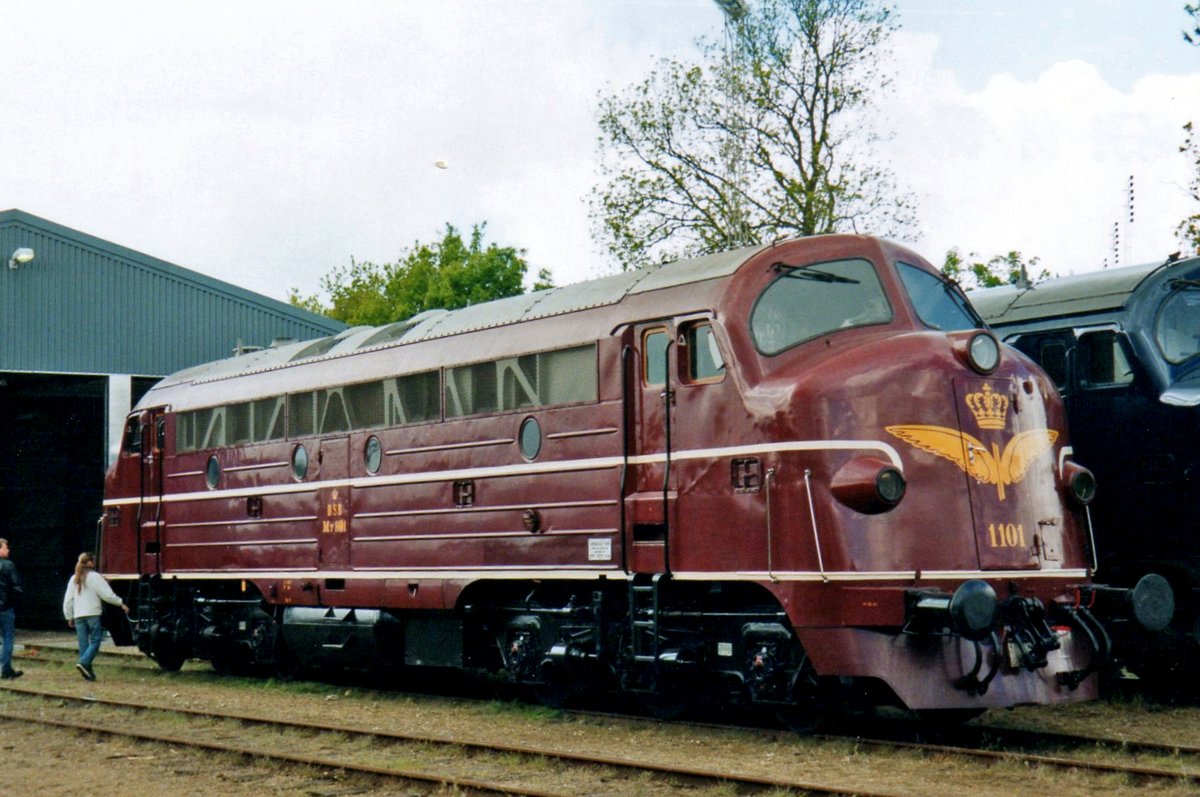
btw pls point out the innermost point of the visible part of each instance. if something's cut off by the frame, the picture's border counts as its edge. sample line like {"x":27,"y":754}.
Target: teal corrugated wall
{"x":85,"y":305}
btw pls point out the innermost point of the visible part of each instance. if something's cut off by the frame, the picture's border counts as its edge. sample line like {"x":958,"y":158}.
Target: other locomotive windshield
{"x":805,"y":302}
{"x":1177,"y":329}
{"x":938,"y":303}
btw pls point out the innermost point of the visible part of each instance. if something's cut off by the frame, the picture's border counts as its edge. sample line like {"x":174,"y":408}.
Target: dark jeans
{"x":8,"y":619}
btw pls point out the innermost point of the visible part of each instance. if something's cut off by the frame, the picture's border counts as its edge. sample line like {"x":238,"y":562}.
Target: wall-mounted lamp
{"x":20,"y":257}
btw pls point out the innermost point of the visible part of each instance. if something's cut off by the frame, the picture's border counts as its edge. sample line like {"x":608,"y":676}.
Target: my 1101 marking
{"x":1007,"y":535}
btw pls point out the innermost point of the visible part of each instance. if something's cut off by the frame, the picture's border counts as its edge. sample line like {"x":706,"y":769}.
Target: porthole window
{"x":212,"y":472}
{"x":299,"y":462}
{"x":530,"y":438}
{"x":373,"y":455}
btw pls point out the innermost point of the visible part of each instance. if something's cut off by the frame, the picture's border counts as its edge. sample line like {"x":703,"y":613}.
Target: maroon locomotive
{"x":784,"y":475}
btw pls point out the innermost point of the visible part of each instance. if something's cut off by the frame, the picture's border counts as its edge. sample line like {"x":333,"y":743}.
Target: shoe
{"x":83,"y":670}
{"x":8,"y":676}
{"x":91,"y":674}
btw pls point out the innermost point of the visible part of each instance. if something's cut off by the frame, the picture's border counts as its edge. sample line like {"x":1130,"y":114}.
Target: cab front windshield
{"x":939,"y":303}
{"x":1177,"y":329}
{"x":805,"y":302}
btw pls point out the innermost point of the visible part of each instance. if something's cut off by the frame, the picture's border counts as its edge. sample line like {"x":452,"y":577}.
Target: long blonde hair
{"x":86,"y":562}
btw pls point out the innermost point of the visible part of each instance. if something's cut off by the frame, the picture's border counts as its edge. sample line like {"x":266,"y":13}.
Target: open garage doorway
{"x":53,"y":438}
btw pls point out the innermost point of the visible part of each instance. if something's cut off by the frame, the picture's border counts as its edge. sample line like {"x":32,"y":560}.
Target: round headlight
{"x":890,"y":485}
{"x":983,"y":352}
{"x":1083,"y":485}
{"x":869,"y":485}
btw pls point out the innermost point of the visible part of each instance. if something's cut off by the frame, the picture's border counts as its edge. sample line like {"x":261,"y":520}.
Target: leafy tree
{"x":448,"y":274}
{"x":1193,"y":36}
{"x":1189,"y":229}
{"x":765,"y":134}
{"x":1010,"y":269}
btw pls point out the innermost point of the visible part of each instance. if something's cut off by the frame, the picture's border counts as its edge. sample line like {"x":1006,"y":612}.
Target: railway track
{"x":596,"y":769}
{"x":979,"y":743}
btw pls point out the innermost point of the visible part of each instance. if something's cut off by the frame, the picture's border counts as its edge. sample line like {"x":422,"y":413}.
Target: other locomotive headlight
{"x":869,"y":485}
{"x":1080,"y":483}
{"x":983,"y":352}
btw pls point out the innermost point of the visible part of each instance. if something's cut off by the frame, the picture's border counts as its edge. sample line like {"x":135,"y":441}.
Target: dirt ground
{"x":47,"y":761}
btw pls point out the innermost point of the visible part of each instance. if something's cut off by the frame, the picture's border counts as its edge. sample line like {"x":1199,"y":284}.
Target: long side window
{"x":562,"y":376}
{"x":365,"y":405}
{"x":568,"y":376}
{"x":415,"y":398}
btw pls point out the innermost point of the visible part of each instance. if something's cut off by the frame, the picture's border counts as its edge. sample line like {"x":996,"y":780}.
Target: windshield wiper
{"x":1180,"y":282}
{"x":811,"y":273}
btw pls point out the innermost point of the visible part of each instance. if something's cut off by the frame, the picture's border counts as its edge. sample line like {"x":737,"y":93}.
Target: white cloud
{"x":269,"y":142}
{"x":1041,"y":165}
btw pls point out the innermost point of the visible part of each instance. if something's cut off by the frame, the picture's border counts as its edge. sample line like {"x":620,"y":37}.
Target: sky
{"x":268,"y":142}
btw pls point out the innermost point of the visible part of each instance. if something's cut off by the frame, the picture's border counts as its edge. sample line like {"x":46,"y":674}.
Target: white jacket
{"x":86,"y":602}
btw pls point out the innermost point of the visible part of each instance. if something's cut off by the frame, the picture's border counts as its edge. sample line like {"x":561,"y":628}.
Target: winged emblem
{"x":996,"y":467}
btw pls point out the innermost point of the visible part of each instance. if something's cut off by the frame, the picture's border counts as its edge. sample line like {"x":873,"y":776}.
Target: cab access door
{"x":146,"y":433}
{"x":649,"y":483}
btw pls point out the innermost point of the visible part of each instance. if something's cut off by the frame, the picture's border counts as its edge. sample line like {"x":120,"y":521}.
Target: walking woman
{"x":81,"y":607}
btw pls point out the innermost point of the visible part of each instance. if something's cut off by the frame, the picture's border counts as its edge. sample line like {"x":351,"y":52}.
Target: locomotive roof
{"x":1078,"y":294}
{"x":501,"y":312}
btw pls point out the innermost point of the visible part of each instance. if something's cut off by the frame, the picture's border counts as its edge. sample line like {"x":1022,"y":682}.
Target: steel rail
{"x":467,"y":784}
{"x":988,"y":734}
{"x":746,"y":781}
{"x":980,"y":734}
{"x":1189,"y":776}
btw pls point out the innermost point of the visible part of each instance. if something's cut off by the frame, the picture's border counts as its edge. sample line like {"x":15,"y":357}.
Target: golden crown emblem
{"x":990,"y":409}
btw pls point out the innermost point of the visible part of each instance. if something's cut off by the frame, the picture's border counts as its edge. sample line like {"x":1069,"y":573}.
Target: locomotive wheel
{"x":168,"y":657}
{"x":286,"y":666}
{"x":553,"y":693}
{"x":804,"y":716}
{"x":810,"y":706}
{"x":229,"y":660}
{"x":555,"y":690}
{"x":668,"y":703}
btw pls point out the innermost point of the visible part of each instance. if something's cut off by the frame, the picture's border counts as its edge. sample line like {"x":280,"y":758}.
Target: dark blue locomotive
{"x":1123,"y":347}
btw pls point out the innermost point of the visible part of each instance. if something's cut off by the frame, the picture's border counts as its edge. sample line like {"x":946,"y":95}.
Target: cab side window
{"x":133,"y":435}
{"x":654,"y":356}
{"x":704,"y":360}
{"x":1050,"y":351}
{"x":1102,"y":361}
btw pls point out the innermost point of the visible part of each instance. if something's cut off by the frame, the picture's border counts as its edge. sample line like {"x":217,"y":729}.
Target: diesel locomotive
{"x":783,"y":476}
{"x":1123,"y":346}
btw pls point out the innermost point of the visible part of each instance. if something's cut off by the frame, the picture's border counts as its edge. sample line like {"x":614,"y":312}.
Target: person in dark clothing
{"x":10,"y":596}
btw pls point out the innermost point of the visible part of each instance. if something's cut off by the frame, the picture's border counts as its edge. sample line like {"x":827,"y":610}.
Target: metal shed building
{"x":86,"y":327}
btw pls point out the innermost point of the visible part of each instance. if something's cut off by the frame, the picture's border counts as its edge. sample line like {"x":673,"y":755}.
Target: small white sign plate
{"x":600,"y":550}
